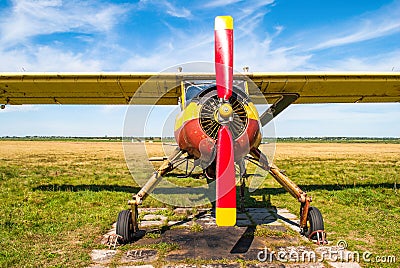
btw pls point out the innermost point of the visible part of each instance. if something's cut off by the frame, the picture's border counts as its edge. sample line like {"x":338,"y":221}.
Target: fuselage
{"x":197,"y":125}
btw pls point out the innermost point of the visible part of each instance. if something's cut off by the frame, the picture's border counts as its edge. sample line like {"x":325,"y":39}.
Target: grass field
{"x":58,"y":198}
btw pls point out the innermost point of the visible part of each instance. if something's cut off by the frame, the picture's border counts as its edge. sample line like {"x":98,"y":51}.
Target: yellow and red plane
{"x":218,"y":125}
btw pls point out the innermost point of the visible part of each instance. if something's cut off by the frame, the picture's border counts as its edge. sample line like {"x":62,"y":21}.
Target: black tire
{"x":315,"y":222}
{"x":124,"y":226}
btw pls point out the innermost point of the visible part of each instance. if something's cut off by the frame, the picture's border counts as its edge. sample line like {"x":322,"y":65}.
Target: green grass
{"x":55,"y":206}
{"x":195,"y":227}
{"x":356,"y":197}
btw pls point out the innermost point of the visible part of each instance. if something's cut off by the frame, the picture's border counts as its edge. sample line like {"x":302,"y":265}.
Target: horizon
{"x":159,"y":137}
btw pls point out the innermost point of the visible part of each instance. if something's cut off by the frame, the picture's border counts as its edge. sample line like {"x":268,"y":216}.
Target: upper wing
{"x":331,"y":87}
{"x":88,"y":88}
{"x":118,"y":88}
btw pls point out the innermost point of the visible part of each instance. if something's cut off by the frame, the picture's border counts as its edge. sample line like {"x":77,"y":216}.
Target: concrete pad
{"x":206,"y":220}
{"x":257,"y":210}
{"x":150,"y":210}
{"x":289,"y":216}
{"x":154,"y":217}
{"x":344,"y":264}
{"x":241,"y":216}
{"x":137,"y":266}
{"x":234,"y":265}
{"x":182,"y":224}
{"x":148,"y":224}
{"x":243,"y":223}
{"x":263,"y":219}
{"x":106,"y":238}
{"x":180,"y":266}
{"x":102,"y":255}
{"x":278,"y":265}
{"x":211,"y":243}
{"x":282,"y":210}
{"x":183,"y":211}
{"x":144,"y":255}
{"x":170,"y":223}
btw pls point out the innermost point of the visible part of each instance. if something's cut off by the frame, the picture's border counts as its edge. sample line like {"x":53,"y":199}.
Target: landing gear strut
{"x":127,"y":223}
{"x":311,"y":221}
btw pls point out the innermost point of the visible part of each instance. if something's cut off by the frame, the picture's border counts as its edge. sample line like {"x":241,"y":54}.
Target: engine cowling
{"x":197,"y":125}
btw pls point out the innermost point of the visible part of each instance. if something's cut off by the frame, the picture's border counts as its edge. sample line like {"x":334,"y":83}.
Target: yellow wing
{"x":87,"y":88}
{"x":118,"y":88}
{"x":331,"y":87}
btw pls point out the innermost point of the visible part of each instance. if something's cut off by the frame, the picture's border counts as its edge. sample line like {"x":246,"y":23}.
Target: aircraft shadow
{"x":178,"y":190}
{"x":245,"y":241}
{"x":86,"y":187}
{"x":328,"y":187}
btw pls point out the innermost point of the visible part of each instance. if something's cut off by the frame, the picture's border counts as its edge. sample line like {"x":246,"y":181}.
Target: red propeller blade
{"x":224,"y":55}
{"x":225,"y":168}
{"x":225,"y":183}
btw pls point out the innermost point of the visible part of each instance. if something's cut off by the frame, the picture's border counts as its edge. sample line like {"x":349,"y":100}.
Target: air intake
{"x":208,"y":117}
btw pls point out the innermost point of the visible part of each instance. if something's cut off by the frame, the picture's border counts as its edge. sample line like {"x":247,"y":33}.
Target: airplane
{"x":218,"y":126}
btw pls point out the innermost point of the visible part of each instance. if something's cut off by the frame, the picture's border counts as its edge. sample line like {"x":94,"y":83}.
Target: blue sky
{"x":149,"y":35}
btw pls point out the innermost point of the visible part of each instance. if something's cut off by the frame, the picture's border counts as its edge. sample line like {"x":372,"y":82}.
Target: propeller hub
{"x":225,"y":112}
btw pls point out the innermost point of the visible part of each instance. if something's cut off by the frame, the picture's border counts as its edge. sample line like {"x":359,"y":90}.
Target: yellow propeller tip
{"x":225,"y":216}
{"x":223,"y":23}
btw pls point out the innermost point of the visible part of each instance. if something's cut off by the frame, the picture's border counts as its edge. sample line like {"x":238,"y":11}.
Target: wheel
{"x":315,"y":222}
{"x":124,"y":226}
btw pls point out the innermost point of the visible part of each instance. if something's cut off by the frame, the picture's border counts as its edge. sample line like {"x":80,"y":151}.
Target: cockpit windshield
{"x":194,"y":88}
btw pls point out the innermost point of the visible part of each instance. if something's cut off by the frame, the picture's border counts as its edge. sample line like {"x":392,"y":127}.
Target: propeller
{"x":225,"y":166}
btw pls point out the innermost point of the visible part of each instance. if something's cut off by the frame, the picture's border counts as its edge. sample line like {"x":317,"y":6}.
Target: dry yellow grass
{"x":19,"y":150}
{"x":340,"y":150}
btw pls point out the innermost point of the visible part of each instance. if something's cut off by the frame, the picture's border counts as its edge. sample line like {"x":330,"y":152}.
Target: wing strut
{"x":281,"y":104}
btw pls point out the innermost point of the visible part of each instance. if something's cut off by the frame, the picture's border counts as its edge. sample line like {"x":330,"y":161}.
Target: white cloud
{"x":221,"y":3}
{"x":175,"y":11}
{"x":383,"y":62}
{"x":167,"y":7}
{"x":370,"y":30}
{"x":29,"y":18}
{"x":380,"y":23}
{"x":19,"y":108}
{"x":44,"y":58}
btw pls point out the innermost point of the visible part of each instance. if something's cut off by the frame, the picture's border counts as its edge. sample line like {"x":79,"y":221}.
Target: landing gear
{"x":314,"y":228}
{"x":127,"y":225}
{"x":124,"y":226}
{"x":315,"y":222}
